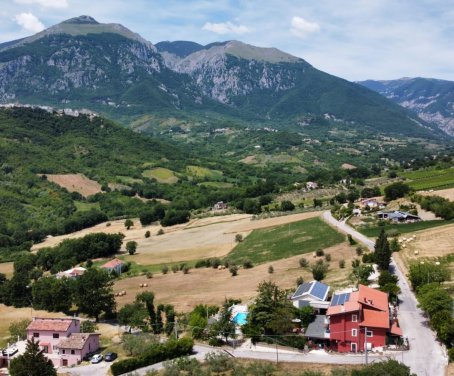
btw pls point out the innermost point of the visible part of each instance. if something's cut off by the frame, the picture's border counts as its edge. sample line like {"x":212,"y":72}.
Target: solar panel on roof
{"x":305,"y":287}
{"x":334,"y":300}
{"x":340,"y":299}
{"x":319,"y":290}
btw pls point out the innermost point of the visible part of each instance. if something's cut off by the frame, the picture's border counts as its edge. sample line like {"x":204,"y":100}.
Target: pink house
{"x":74,"y":348}
{"x":61,"y":340}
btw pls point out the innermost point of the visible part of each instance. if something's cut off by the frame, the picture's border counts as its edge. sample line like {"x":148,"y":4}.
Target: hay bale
{"x":145,"y":285}
{"x":416,"y":253}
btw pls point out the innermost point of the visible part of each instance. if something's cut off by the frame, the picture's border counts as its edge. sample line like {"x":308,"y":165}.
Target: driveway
{"x":426,"y":356}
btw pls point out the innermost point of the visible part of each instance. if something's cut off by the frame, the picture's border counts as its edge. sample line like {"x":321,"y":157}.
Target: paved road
{"x":426,"y":356}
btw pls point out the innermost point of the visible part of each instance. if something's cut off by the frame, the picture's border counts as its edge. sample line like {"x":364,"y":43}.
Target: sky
{"x":353,"y":39}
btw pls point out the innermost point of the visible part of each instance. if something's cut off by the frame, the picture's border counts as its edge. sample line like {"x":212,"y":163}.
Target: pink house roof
{"x":53,"y":325}
{"x":75,"y":341}
{"x":112,"y":264}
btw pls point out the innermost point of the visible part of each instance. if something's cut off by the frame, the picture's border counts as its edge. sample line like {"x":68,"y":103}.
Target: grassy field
{"x":128,"y":180}
{"x":431,"y":179}
{"x":403,"y":228}
{"x":284,"y":241}
{"x":216,"y":184}
{"x":162,"y":175}
{"x":202,"y":172}
{"x":86,"y":206}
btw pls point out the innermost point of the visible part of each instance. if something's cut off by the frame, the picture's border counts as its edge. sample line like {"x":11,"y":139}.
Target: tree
{"x":88,"y":326}
{"x":319,"y":270}
{"x":386,"y":277}
{"x":270,"y":269}
{"x":362,"y":272}
{"x":427,"y":272}
{"x":93,"y":293}
{"x":224,"y":326}
{"x":128,"y":224}
{"x":134,"y":315}
{"x":147,"y":297}
{"x":238,"y":238}
{"x":389,"y":368}
{"x":53,"y":294}
{"x":131,"y":247}
{"x":433,"y":298}
{"x":396,"y":190}
{"x":18,"y":329}
{"x":32,"y":363}
{"x":382,"y":254}
{"x":287,"y":205}
{"x":233,"y":269}
{"x":306,"y":315}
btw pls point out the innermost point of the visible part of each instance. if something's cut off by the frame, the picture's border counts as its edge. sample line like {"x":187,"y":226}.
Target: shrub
{"x":342,"y":264}
{"x":186,"y":269}
{"x":355,"y":263}
{"x":359,"y":251}
{"x":218,"y":363}
{"x":215,"y":342}
{"x":270,"y":269}
{"x":149,"y":275}
{"x":201,"y":264}
{"x":327,"y":257}
{"x":451,"y":354}
{"x":287,"y":206}
{"x":247,"y":264}
{"x":233,"y":269}
{"x":351,"y":240}
{"x":303,"y":262}
{"x":299,"y":281}
{"x":175,"y":268}
{"x":165,"y":269}
{"x":319,"y":271}
{"x":160,"y":232}
{"x":319,"y":252}
{"x":215,"y":262}
{"x":368,"y":258}
{"x":147,"y":234}
{"x":238,"y":238}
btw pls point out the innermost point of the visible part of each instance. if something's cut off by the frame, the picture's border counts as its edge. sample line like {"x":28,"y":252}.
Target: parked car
{"x":10,"y":351}
{"x":96,"y":358}
{"x":110,"y":356}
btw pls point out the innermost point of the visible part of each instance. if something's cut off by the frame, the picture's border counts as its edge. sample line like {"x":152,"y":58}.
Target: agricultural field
{"x":7,"y":268}
{"x":403,"y":228}
{"x":86,"y":206}
{"x":212,"y":286}
{"x":216,"y":184}
{"x":162,"y":175}
{"x":285,"y":241}
{"x":76,"y":183}
{"x":430,"y":179}
{"x":203,"y":172}
{"x":445,"y":193}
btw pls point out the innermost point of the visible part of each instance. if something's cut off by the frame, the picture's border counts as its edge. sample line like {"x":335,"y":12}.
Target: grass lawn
{"x":202,"y":172}
{"x":431,"y":179}
{"x":216,"y":184}
{"x":128,"y":180}
{"x":162,"y":175}
{"x":86,"y":206}
{"x":403,"y":228}
{"x":285,"y":241}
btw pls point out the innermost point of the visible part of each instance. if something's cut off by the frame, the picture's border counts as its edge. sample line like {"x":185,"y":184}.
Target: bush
{"x":238,"y":238}
{"x":215,"y":342}
{"x":218,"y":363}
{"x":451,"y":354}
{"x":175,"y":268}
{"x":233,"y":269}
{"x":215,"y":262}
{"x":165,"y":269}
{"x":186,"y":269}
{"x":342,"y":264}
{"x":299,"y":281}
{"x":287,"y":206}
{"x":319,"y":252}
{"x":351,"y":240}
{"x":327,"y":257}
{"x":160,"y":232}
{"x":303,"y":262}
{"x":154,"y":354}
{"x":359,"y":251}
{"x":247,"y":264}
{"x":147,"y":234}
{"x":368,"y":258}
{"x":202,"y":264}
{"x":319,"y":271}
{"x":270,"y":269}
{"x":149,"y":275}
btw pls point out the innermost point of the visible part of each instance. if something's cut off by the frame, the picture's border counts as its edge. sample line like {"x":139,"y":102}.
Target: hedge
{"x":155,"y":354}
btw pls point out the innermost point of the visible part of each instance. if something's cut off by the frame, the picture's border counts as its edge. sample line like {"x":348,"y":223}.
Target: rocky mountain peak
{"x":81,"y":20}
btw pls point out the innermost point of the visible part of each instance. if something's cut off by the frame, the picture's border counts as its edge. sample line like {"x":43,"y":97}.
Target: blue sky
{"x":353,"y":39}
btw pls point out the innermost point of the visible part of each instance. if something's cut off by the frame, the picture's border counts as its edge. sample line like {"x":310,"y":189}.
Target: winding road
{"x":426,"y":356}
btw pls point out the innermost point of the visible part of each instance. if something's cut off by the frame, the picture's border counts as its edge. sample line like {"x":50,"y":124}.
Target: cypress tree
{"x":382,"y":251}
{"x":32,"y":363}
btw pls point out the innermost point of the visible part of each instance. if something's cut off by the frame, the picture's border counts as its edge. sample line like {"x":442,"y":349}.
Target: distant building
{"x":221,"y":205}
{"x":372,"y":203}
{"x":314,"y":294}
{"x":114,"y":265}
{"x":398,"y":216}
{"x":72,"y":273}
{"x":311,"y":185}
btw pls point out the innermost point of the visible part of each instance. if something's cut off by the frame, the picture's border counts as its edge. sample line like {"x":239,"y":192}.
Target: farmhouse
{"x":72,"y":273}
{"x":372,"y":203}
{"x":61,"y":341}
{"x":114,"y":265}
{"x":221,"y":205}
{"x":359,"y":317}
{"x":398,"y":216}
{"x":314,"y":294}
{"x":311,"y":185}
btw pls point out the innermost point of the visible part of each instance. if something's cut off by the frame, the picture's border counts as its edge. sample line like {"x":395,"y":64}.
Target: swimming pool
{"x":240,"y":318}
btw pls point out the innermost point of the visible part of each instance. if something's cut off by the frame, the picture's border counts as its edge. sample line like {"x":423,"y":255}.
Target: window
{"x":369,"y":333}
{"x":63,"y":351}
{"x":55,"y":348}
{"x":36,"y":335}
{"x":354,"y":318}
{"x":354,"y":332}
{"x":73,"y":352}
{"x":55,"y":335}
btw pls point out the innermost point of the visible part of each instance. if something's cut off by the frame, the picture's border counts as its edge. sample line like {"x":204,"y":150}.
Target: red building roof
{"x":53,"y":325}
{"x":375,"y":319}
{"x":112,"y":264}
{"x":373,"y":298}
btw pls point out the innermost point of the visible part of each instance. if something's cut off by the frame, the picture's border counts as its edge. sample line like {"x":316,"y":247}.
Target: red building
{"x":357,"y":318}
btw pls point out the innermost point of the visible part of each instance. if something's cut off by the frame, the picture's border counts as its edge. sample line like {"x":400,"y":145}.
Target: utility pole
{"x":365,"y":344}
{"x":175,"y":328}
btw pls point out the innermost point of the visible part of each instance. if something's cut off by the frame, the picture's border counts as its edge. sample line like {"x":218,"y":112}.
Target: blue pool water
{"x":240,"y":318}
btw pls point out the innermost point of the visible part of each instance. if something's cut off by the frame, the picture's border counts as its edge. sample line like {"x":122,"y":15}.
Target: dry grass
{"x":7,"y":268}
{"x":445,"y":193}
{"x":76,"y":183}
{"x":348,"y":166}
{"x":212,"y":286}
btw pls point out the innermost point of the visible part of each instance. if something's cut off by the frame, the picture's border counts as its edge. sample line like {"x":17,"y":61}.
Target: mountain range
{"x":112,"y":70}
{"x":431,"y":99}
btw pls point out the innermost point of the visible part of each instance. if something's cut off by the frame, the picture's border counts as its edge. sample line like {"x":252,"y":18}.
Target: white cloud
{"x":29,"y":22}
{"x":226,"y":28}
{"x":301,"y":27}
{"x":45,"y":3}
